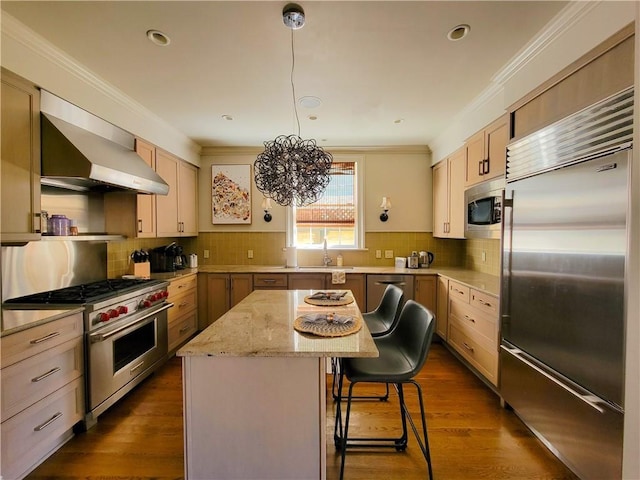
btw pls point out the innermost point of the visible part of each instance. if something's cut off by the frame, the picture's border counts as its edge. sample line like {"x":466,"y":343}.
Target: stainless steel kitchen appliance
{"x":483,"y":214}
{"x":125,"y":324}
{"x":376,"y":285}
{"x":563,"y":294}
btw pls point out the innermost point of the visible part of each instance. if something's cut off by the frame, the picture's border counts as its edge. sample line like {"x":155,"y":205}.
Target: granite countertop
{"x":261,"y":325}
{"x":174,"y":275}
{"x":14,"y":321}
{"x":481,"y":281}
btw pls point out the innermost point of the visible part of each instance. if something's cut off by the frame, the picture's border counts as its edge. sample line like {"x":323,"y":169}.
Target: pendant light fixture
{"x":292,"y":171}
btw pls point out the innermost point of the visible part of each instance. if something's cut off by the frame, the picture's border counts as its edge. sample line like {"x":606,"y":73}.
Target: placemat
{"x":327,"y":324}
{"x":329,"y":299}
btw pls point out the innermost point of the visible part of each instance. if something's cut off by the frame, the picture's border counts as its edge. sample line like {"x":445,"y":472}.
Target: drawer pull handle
{"x":458,"y":291}
{"x":45,"y":375}
{"x":466,"y":345}
{"x":471,"y":319}
{"x":45,"y":338}
{"x":181,"y":286}
{"x":136,"y":367}
{"x":486,"y":304}
{"x":183,"y":304}
{"x":268,"y":280}
{"x":184,"y":329}
{"x":39,"y":428}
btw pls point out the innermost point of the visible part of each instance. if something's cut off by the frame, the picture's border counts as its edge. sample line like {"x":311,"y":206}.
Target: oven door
{"x":120,"y":353}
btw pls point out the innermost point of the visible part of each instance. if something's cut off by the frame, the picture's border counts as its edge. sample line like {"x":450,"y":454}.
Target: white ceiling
{"x":371,"y":63}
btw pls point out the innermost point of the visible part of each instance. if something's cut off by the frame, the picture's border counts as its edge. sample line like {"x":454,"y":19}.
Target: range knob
{"x":103,"y":317}
{"x":145,"y":304}
{"x":123,"y":309}
{"x":113,"y":313}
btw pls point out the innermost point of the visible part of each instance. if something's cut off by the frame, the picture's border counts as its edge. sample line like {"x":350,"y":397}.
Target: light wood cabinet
{"x":473,"y":328}
{"x":268,"y":281}
{"x":424,"y":293}
{"x":309,"y":281}
{"x":177,"y":211}
{"x":605,"y":70}
{"x":42,"y":392}
{"x":356,"y":282}
{"x":224,"y":291}
{"x":448,"y":195}
{"x":146,"y":204}
{"x":442,"y":308}
{"x":183,"y":316}
{"x":20,"y":160}
{"x":487,"y":152}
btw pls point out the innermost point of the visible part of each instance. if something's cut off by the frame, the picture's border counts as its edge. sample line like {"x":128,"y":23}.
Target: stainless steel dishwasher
{"x":376,"y":285}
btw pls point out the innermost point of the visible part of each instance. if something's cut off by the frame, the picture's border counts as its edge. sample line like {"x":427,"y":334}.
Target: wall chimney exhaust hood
{"x":83,"y":152}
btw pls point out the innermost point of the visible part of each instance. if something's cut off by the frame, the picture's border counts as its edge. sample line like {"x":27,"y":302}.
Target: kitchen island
{"x":255,"y":389}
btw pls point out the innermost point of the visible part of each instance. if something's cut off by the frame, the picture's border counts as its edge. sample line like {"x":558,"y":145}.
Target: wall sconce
{"x":266,"y":206}
{"x":385,"y":206}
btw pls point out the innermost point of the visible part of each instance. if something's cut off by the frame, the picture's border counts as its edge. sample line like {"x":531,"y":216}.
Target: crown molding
{"x":389,"y":149}
{"x":20,"y":33}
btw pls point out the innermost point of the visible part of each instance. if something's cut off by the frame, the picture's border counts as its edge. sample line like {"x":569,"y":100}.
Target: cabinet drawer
{"x":24,"y":383}
{"x":182,"y":304}
{"x":262,"y":280}
{"x":484,"y":359}
{"x":29,"y":342}
{"x":180,"y":285}
{"x":486,"y":303}
{"x":478,"y":322}
{"x":32,"y":434}
{"x":458,"y":291}
{"x":181,"y":329}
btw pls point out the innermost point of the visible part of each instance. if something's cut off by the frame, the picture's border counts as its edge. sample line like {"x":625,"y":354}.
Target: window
{"x":336,"y":216}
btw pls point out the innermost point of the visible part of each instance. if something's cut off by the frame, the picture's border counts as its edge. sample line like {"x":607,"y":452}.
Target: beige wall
{"x":404,"y":174}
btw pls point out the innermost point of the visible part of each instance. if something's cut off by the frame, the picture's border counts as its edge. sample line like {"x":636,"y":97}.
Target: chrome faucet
{"x":326,"y":259}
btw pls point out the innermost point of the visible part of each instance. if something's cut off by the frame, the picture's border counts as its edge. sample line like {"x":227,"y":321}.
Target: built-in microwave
{"x":483,"y":215}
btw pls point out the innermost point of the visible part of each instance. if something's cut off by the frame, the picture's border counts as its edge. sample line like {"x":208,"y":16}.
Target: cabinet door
{"x":187,"y":199}
{"x":440,"y":199}
{"x":442,"y":315}
{"x":146,"y":204}
{"x":457,"y":167}
{"x":356,"y":283}
{"x":241,"y":286}
{"x":218,"y":296}
{"x":476,"y":155}
{"x":167,"y":205}
{"x":20,"y":192}
{"x":309,"y":281}
{"x":425,"y":291}
{"x":497,"y":135}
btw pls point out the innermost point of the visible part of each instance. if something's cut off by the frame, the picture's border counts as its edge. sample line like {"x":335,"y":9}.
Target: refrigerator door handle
{"x":590,"y":400}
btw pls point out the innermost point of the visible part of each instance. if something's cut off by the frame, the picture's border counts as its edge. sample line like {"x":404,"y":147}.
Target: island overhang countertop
{"x":262,"y":325}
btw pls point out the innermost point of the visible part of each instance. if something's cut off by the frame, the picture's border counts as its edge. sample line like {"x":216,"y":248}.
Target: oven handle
{"x":101,"y":337}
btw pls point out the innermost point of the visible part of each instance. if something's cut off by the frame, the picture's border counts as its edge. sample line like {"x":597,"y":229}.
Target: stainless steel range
{"x":125,"y":323}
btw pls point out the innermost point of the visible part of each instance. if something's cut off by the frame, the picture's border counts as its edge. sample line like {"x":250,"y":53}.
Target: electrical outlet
{"x":484,"y":256}
{"x":388,"y":254}
{"x":378,"y":253}
{"x":205,"y":254}
{"x":249,"y":253}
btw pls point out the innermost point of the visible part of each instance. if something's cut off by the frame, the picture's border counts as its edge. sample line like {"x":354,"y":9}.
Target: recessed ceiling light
{"x":227,"y":117}
{"x":159,"y":38}
{"x":399,"y":120}
{"x":312,"y":117}
{"x":310,"y":102}
{"x":458,"y":32}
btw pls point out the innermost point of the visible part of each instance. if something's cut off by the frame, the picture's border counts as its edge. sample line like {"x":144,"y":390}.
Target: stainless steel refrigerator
{"x":563,"y":295}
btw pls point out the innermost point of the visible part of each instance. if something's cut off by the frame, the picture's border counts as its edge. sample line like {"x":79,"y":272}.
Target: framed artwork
{"x":231,"y":194}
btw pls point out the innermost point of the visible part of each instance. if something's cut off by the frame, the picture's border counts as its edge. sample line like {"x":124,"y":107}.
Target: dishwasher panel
{"x":376,"y":285}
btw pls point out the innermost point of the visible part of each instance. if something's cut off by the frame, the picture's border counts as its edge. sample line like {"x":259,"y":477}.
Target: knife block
{"x":142,"y":270}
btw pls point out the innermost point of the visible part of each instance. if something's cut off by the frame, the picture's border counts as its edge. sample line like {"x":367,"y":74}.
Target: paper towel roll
{"x":292,"y":257}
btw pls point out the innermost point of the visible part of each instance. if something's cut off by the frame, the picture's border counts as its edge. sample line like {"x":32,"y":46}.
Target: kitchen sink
{"x":322,"y":267}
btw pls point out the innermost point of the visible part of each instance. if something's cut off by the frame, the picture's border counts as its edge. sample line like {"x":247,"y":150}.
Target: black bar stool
{"x":379,"y":322}
{"x":403,"y":352}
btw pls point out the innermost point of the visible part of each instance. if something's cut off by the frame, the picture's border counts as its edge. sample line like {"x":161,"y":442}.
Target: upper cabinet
{"x":448,"y":195}
{"x":604,"y":71}
{"x":20,"y":159}
{"x":487,"y":152}
{"x":177,"y":211}
{"x":149,"y":216}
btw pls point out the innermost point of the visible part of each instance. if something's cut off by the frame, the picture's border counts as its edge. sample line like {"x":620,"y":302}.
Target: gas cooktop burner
{"x":86,"y":293}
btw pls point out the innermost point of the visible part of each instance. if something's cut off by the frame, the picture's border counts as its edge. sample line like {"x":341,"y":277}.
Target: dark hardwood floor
{"x":471,"y":436}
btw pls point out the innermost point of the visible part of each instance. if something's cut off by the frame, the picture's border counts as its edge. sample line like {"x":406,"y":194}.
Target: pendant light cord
{"x":293,"y":87}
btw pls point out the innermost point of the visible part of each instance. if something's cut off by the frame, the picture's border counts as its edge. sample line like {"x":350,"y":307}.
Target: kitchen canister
{"x":59,"y":225}
{"x":193,"y":261}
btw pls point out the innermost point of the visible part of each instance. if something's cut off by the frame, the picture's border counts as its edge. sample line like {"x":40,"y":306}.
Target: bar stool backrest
{"x":413,"y":334}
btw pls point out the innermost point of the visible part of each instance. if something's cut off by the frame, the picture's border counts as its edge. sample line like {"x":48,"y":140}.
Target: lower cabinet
{"x":223,"y":291}
{"x":442,"y":308}
{"x":42,"y":392}
{"x":424,"y":291}
{"x":183,"y":316}
{"x":473,"y":328}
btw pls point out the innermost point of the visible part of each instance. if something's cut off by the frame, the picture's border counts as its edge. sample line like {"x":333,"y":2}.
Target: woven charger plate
{"x":329,"y":303}
{"x":326,"y":329}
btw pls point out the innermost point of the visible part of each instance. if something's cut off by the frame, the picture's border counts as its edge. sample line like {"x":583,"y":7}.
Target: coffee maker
{"x":168,"y":258}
